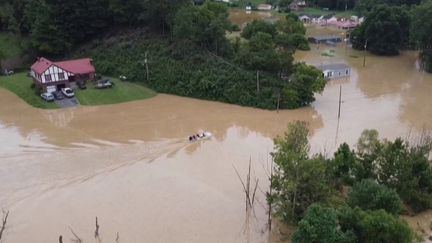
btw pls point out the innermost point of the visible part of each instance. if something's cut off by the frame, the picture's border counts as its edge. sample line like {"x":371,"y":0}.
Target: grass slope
{"x":320,"y":12}
{"x":20,"y":85}
{"x":121,"y":92}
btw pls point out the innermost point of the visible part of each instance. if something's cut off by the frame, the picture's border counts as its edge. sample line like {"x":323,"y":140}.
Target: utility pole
{"x":278,"y":103}
{"x":258,"y":86}
{"x":146,"y":64}
{"x":364,"y":53}
{"x":340,"y":101}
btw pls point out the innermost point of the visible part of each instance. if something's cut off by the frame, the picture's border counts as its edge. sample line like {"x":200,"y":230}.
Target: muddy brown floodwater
{"x":130,"y":164}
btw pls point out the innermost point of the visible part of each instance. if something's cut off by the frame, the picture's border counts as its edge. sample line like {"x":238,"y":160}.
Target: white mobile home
{"x":334,"y":71}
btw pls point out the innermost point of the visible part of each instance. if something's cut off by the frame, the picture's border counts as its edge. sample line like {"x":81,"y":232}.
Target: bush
{"x":320,"y":225}
{"x":368,"y":195}
{"x":378,"y":227}
{"x":374,"y":226}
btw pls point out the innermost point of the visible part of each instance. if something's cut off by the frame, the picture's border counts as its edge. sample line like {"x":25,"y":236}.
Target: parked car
{"x":104,"y":83}
{"x":58,"y":95}
{"x":47,"y":96}
{"x":81,"y":85}
{"x":68,"y":92}
{"x":8,"y":72}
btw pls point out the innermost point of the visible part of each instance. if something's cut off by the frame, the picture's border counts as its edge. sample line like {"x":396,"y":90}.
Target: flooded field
{"x":131,"y":165}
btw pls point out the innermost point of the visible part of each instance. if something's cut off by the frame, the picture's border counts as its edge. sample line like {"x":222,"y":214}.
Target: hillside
{"x":181,"y":68}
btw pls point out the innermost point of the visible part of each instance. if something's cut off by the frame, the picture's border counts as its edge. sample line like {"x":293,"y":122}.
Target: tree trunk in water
{"x":258,"y":83}
{"x":295,"y":191}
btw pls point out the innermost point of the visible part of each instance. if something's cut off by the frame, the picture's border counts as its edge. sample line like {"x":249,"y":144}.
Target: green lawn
{"x":320,"y":12}
{"x":121,"y":92}
{"x":20,"y":85}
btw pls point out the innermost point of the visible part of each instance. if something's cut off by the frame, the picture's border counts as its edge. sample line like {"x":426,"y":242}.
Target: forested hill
{"x":183,"y":47}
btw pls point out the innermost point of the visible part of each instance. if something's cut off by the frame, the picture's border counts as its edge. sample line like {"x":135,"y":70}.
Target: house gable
{"x":54,"y":74}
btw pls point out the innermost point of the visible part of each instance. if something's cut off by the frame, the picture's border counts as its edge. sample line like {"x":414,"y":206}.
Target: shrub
{"x":320,"y":225}
{"x":368,"y":195}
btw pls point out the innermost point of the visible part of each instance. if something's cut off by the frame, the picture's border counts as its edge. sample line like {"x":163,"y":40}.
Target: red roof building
{"x":52,"y":76}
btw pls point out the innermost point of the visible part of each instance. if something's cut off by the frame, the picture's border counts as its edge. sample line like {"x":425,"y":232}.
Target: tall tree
{"x":421,"y":30}
{"x":384,"y":32}
{"x":298,"y":181}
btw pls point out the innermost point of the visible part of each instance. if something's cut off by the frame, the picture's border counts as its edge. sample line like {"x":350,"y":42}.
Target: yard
{"x":321,"y":12}
{"x":20,"y":84}
{"x":121,"y":92}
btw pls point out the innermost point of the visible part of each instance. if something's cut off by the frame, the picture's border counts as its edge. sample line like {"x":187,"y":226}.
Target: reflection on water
{"x":131,"y":165}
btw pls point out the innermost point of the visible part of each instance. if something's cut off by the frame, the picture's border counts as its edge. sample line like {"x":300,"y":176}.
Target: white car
{"x":68,"y":92}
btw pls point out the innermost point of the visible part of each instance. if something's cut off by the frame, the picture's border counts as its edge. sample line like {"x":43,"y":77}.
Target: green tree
{"x":320,"y":225}
{"x":384,"y":32}
{"x":342,"y":166}
{"x":369,"y":195}
{"x":374,"y":226}
{"x":290,"y":25}
{"x":256,"y":26}
{"x":379,"y":226}
{"x":205,"y":25}
{"x":304,"y":82}
{"x":43,"y":28}
{"x":284,"y":5}
{"x":298,"y":181}
{"x":421,"y":30}
{"x":368,"y":149}
{"x":259,"y":54}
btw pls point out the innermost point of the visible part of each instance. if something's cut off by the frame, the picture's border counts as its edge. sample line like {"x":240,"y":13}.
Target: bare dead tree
{"x":118,"y":238}
{"x":60,"y":239}
{"x":77,"y":238}
{"x":4,"y":222}
{"x":270,"y":193}
{"x":96,"y":234}
{"x":249,"y":198}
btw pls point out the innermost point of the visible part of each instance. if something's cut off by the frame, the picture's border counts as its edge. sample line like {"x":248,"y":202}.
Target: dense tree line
{"x":383,"y":179}
{"x":391,"y":27}
{"x":385,"y":30}
{"x":55,"y":26}
{"x":421,"y":32}
{"x":194,"y":58}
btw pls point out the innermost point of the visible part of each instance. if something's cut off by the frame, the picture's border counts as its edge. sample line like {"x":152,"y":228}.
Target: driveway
{"x":67,"y":102}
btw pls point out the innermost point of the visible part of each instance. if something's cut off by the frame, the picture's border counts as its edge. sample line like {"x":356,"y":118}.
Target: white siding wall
{"x":54,"y":71}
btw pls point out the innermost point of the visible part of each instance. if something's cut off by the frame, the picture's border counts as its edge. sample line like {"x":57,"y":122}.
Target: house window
{"x":47,"y":77}
{"x":346,"y":72}
{"x":61,"y":76}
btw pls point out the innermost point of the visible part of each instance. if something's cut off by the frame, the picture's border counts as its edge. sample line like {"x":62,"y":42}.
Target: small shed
{"x":325,"y":39}
{"x":335,"y":70}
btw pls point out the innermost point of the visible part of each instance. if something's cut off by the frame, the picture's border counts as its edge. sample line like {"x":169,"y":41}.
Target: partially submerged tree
{"x":298,"y":181}
{"x":421,"y":30}
{"x":384,"y":32}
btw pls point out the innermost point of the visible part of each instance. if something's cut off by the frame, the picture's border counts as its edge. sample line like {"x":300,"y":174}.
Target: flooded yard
{"x":131,"y":164}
